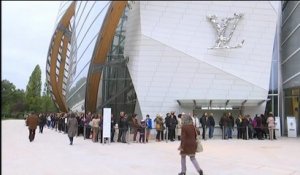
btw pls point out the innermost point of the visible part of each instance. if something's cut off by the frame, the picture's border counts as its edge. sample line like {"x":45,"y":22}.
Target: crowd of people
{"x":260,"y":127}
{"x":167,"y":128}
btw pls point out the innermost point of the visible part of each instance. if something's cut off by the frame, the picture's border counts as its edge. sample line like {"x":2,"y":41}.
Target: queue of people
{"x":260,"y":127}
{"x":168,"y":128}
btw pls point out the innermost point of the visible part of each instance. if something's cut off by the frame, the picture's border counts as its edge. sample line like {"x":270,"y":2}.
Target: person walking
{"x":32,"y":121}
{"x":188,"y":144}
{"x":42,"y":122}
{"x":72,"y":125}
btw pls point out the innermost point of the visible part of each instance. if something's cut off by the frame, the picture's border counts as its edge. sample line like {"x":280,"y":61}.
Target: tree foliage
{"x":13,"y":100}
{"x":33,"y":90}
{"x":47,"y":103}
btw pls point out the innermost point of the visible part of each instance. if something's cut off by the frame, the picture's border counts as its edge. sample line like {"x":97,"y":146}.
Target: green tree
{"x":7,"y":90}
{"x":33,"y":90}
{"x":19,"y":104}
{"x":13,"y":100}
{"x":47,"y":103}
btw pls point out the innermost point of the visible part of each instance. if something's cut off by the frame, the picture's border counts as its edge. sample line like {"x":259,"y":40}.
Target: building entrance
{"x":217,"y":114}
{"x":292,"y":105}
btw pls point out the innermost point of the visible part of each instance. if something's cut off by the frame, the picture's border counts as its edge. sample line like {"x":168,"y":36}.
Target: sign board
{"x":291,"y":126}
{"x":277,"y":127}
{"x":106,"y":122}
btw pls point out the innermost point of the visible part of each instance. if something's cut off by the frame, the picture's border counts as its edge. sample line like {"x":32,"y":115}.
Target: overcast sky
{"x":27,"y":28}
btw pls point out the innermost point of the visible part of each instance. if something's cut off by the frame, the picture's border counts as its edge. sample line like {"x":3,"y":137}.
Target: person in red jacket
{"x":188,"y":144}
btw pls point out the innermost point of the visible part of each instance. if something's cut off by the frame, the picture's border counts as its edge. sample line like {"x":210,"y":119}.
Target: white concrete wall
{"x":167,"y":42}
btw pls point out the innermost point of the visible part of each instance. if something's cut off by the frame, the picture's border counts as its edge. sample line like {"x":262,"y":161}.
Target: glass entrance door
{"x":292,"y":105}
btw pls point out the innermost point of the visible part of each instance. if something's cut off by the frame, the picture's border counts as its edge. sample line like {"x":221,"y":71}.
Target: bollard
{"x":166,"y":134}
{"x":223,"y":134}
{"x":145,"y":135}
{"x":84,"y":132}
{"x":247,"y":133}
{"x":271,"y":135}
{"x":99,"y":135}
{"x":128,"y":135}
{"x":205,"y":132}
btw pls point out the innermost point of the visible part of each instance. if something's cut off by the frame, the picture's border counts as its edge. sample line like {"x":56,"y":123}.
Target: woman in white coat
{"x":178,"y":126}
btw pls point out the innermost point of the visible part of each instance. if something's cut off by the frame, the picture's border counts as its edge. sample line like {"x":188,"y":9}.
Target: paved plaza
{"x":51,"y":154}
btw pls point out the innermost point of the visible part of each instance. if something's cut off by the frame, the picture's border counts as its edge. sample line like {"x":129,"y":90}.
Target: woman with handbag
{"x":188,"y":144}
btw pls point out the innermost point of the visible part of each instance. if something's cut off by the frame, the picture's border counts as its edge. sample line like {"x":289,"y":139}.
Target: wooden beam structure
{"x":60,"y":40}
{"x":102,"y":48}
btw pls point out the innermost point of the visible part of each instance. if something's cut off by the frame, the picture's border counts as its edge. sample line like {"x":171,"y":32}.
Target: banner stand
{"x":106,"y":125}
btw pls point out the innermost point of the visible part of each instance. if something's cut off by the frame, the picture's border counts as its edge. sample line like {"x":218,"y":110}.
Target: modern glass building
{"x":159,"y":56}
{"x":94,"y":67}
{"x":290,"y":60}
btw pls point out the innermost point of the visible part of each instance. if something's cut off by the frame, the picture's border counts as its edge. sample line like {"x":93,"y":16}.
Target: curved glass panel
{"x":89,"y":17}
{"x":116,"y":90}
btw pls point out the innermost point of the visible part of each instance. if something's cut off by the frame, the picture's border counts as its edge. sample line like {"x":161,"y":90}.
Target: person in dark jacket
{"x":245,"y":123}
{"x":141,"y":130}
{"x":87,"y":120}
{"x":250,"y":127}
{"x":80,"y":124}
{"x":188,"y":144}
{"x":42,"y":122}
{"x":112,"y":128}
{"x":264,"y":128}
{"x":238,"y":122}
{"x":211,"y":125}
{"x":204,"y":124}
{"x":258,"y":127}
{"x":167,"y":122}
{"x":123,"y":127}
{"x":230,"y":125}
{"x":119,"y":127}
{"x":223,"y":125}
{"x":172,"y":126}
{"x":32,"y":122}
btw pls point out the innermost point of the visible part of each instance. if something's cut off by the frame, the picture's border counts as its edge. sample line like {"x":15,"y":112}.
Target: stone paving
{"x":51,"y":154}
